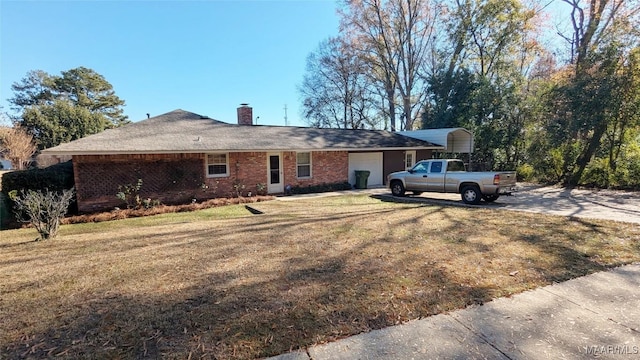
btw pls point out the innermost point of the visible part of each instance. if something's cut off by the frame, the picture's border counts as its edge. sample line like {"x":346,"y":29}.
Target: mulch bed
{"x":118,"y":214}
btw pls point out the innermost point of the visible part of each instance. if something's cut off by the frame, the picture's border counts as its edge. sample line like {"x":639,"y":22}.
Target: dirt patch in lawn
{"x":226,"y":283}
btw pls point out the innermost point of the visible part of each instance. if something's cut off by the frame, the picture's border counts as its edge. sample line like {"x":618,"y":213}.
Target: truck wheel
{"x":491,"y":198}
{"x":397,"y":189}
{"x":471,"y":195}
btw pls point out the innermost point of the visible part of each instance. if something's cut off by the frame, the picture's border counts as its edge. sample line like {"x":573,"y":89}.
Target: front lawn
{"x":224,"y":283}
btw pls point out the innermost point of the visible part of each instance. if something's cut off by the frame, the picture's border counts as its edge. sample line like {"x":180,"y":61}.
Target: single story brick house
{"x":182,"y":156}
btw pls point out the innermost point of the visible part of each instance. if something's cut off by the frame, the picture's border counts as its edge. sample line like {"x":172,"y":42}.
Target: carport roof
{"x":181,"y":131}
{"x":457,"y":140}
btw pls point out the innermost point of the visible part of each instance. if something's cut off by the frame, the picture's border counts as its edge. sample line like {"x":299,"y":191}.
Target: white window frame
{"x":299,"y":164}
{"x":207,"y":164}
{"x":408,"y":165}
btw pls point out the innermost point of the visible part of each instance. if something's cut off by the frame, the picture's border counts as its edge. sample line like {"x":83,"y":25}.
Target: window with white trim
{"x":303,"y":164}
{"x":217,"y":165}
{"x":409,"y":159}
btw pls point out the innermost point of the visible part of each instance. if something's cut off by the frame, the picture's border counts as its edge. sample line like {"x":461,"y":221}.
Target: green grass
{"x":223,"y":283}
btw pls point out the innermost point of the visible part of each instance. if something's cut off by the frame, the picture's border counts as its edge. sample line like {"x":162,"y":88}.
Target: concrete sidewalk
{"x":592,"y":316}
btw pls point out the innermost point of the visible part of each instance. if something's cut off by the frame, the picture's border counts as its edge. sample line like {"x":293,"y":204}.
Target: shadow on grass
{"x":305,"y":306}
{"x":320,"y":290}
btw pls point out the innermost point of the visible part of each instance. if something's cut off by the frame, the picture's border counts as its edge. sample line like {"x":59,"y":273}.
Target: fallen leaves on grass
{"x":304,"y":272}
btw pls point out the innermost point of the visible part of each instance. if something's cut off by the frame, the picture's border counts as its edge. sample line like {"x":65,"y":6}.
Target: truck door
{"x":435,"y":179}
{"x":417,"y":178}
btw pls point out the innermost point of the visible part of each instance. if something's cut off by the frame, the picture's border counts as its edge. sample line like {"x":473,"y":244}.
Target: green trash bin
{"x":361,"y":178}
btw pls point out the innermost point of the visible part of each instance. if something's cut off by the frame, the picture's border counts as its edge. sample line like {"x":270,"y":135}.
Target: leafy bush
{"x":130,"y":194}
{"x":625,"y":175}
{"x":320,"y":188}
{"x":44,"y":210}
{"x":261,"y":189}
{"x":238,"y":187}
{"x":57,"y":178}
{"x":596,"y":174}
{"x":525,"y":172}
{"x":5,"y":214}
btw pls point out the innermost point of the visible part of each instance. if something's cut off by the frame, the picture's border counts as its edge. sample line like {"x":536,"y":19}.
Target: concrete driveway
{"x":597,"y":204}
{"x":595,"y":316}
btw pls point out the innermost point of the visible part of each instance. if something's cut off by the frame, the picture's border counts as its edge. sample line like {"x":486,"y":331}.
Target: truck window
{"x":420,"y":168}
{"x":455,"y":166}
{"x":436,"y":167}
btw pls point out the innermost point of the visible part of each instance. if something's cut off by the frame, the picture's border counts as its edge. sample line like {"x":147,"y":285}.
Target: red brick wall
{"x":327,"y":167}
{"x":170,"y":178}
{"x":250,"y":169}
{"x":246,"y":170}
{"x":179,"y":178}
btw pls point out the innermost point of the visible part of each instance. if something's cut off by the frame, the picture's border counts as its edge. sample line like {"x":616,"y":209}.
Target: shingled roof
{"x":181,"y":131}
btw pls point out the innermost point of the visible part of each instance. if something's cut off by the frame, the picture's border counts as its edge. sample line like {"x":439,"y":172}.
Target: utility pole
{"x":286,"y":123}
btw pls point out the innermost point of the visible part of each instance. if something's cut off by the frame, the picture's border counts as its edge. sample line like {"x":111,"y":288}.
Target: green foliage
{"x":148,"y":203}
{"x":130,"y":195}
{"x":311,"y":189}
{"x":58,"y":109}
{"x":238,"y":188}
{"x":593,"y":111}
{"x":5,"y":214}
{"x":62,"y":122}
{"x":43,"y":209}
{"x":525,"y":173}
{"x":261,"y":189}
{"x":453,"y":99}
{"x":625,"y":174}
{"x":56,"y":178}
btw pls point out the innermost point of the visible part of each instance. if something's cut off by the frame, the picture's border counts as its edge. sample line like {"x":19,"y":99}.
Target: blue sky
{"x":202,"y":56}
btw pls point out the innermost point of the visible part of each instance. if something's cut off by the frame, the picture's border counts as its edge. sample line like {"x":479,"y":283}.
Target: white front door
{"x":275,"y":183}
{"x":409,"y":159}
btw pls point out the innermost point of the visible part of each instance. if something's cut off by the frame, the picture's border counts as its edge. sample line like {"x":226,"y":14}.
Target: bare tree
{"x":17,"y":146}
{"x":335,"y":91}
{"x":594,"y":22}
{"x":394,"y":36}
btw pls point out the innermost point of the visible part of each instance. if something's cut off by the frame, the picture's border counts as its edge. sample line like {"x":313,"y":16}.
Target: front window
{"x":217,"y":165}
{"x":303,"y":163}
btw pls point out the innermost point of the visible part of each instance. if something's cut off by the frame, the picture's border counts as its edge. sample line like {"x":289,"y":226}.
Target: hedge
{"x":55,"y":178}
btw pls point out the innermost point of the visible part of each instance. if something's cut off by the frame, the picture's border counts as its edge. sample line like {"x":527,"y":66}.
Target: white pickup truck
{"x":450,"y":176}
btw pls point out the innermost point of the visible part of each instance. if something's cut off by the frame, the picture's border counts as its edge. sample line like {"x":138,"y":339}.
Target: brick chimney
{"x":245,"y":115}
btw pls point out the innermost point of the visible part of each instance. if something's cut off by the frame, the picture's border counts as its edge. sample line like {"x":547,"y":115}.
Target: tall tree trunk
{"x":588,"y":152}
{"x":392,"y":108}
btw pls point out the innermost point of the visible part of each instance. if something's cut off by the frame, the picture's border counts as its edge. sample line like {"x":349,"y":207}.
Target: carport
{"x":453,"y":140}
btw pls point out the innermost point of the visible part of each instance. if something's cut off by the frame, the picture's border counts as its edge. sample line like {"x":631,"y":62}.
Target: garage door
{"x":366,"y":161}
